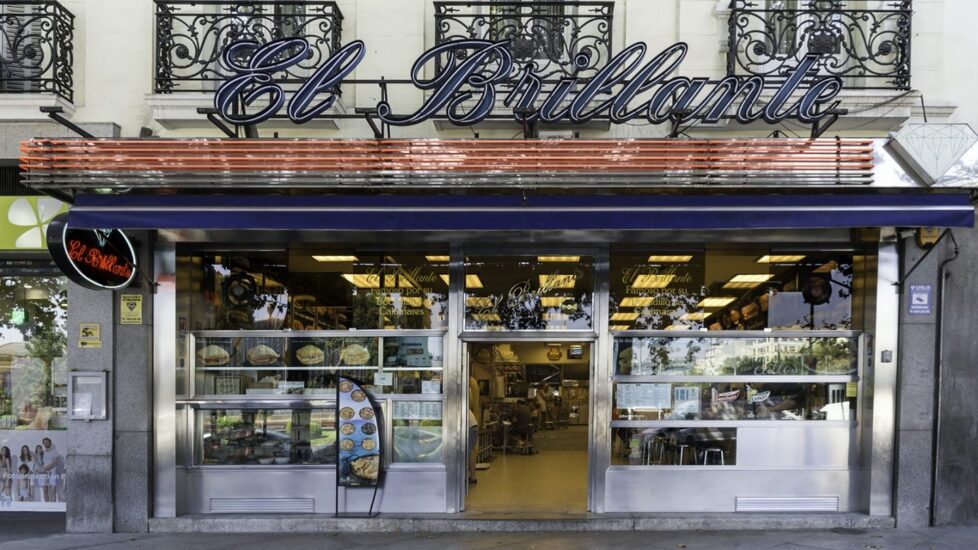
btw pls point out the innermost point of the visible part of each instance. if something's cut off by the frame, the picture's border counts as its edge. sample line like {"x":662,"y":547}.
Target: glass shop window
{"x":723,"y":290}
{"x":313,"y":289}
{"x":529,"y":293}
{"x":33,"y":340}
{"x":659,"y":446}
{"x":417,"y":431}
{"x":266,"y":437}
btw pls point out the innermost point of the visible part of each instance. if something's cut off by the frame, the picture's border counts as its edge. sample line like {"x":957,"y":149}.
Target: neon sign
{"x":469,"y":81}
{"x":99,"y":259}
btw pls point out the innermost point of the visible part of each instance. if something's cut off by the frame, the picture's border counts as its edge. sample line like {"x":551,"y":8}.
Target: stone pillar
{"x":110,"y":461}
{"x":915,"y":392}
{"x":957,"y":482}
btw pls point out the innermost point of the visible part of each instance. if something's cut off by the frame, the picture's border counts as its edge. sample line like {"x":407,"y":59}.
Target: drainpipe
{"x":942,"y":277}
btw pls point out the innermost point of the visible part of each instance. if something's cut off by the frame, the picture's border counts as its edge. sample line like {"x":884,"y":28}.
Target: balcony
{"x":560,"y":39}
{"x":191,"y":36}
{"x":864,"y":42}
{"x":35,"y":52}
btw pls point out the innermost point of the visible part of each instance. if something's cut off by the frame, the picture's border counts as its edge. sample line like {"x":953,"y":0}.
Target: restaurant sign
{"x":470,"y":77}
{"x":99,"y":259}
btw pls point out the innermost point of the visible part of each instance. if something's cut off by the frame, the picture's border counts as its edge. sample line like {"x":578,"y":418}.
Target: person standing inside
{"x":473,"y":442}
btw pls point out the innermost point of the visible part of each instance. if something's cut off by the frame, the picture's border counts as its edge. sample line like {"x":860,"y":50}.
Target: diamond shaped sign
{"x":929,"y":151}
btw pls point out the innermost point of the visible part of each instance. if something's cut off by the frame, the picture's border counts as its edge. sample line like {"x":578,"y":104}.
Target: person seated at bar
{"x":522,"y":423}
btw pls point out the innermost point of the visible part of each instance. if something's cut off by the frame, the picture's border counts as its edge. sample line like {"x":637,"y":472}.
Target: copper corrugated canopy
{"x":286,"y":164}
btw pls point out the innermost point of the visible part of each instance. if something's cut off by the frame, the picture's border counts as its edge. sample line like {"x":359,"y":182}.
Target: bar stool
{"x":681,"y":454}
{"x":706,"y":455}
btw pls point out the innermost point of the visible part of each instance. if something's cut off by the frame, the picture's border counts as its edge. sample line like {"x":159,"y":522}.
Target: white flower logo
{"x":23,"y":214}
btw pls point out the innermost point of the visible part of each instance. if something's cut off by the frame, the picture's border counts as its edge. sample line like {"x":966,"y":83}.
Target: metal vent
{"x":264,"y":505}
{"x":787,"y":504}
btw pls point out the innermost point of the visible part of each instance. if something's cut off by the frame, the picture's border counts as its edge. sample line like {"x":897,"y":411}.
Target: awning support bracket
{"x":54,"y":113}
{"x":821,"y":126}
{"x":211,"y":114}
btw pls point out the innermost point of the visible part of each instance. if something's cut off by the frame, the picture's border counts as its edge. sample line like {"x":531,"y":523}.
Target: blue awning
{"x":495,"y":213}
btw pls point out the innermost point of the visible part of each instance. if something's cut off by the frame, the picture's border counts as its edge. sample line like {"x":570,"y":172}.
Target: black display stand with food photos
{"x":360,"y":457}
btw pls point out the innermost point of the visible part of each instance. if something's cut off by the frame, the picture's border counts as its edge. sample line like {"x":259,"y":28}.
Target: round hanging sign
{"x":99,"y":259}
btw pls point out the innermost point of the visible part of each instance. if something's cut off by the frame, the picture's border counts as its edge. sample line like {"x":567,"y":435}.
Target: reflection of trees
{"x":43,"y":331}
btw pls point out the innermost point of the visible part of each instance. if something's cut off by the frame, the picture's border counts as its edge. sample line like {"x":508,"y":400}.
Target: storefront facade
{"x":718,"y":308}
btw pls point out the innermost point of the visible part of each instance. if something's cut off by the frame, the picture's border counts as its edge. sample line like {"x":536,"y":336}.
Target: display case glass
{"x":283,"y":364}
{"x":267,"y":436}
{"x":417,"y":431}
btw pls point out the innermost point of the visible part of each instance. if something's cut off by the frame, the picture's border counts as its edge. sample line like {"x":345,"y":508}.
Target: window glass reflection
{"x":417,"y":427}
{"x":704,"y":446}
{"x":266,"y":437}
{"x":723,"y":290}
{"x":528,"y":293}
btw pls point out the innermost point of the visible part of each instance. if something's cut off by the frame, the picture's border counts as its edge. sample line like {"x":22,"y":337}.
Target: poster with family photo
{"x":32,"y":470}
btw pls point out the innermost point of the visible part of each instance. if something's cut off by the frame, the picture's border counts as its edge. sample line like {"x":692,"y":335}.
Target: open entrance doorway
{"x":528,"y":427}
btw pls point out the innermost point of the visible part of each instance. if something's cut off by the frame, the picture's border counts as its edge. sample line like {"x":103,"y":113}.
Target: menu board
{"x":644,"y":396}
{"x":417,"y":410}
{"x":359,"y":436}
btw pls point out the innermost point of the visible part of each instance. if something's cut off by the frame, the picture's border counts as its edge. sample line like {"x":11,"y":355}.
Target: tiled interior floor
{"x":551,"y":481}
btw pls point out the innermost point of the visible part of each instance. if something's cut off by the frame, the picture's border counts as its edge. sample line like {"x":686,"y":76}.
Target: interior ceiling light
{"x":478,"y":301}
{"x":413,"y":301}
{"x":336,"y":258}
{"x":624,"y":316}
{"x":620,"y":327}
{"x":715,"y":302}
{"x":553,"y":301}
{"x":557,"y":280}
{"x":748,"y":281}
{"x":486,"y":317}
{"x":677,"y":327}
{"x":782,"y":259}
{"x":679,"y":259}
{"x":362,"y":280}
{"x":694,"y":316}
{"x":437,"y":258}
{"x":559,"y":259}
{"x":652,"y":281}
{"x":471,"y":281}
{"x":636,"y":302}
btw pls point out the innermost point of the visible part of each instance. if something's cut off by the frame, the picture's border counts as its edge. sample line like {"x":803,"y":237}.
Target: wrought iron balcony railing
{"x":550,"y":35}
{"x":191,"y":37}
{"x":36,"y":48}
{"x":866,"y":42}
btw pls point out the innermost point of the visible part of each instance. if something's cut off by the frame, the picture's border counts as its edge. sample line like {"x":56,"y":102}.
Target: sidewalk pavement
{"x":33,"y":533}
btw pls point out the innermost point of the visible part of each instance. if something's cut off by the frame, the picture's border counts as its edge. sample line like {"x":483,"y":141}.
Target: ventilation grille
{"x":787,"y":504}
{"x":264,"y":505}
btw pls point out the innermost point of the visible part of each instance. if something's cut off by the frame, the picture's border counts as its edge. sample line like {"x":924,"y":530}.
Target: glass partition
{"x":417,"y":431}
{"x":529,"y":293}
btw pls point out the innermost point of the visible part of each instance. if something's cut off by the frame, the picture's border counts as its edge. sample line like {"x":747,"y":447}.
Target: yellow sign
{"x":90,"y":335}
{"x":131,"y":309}
{"x":852,"y":389}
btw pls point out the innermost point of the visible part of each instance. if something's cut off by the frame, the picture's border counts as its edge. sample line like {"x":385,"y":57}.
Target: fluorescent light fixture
{"x":620,"y":327}
{"x":680,"y":259}
{"x":437,"y":258}
{"x":652,"y":281}
{"x":636,"y":302}
{"x":624,"y":316}
{"x":694,"y":316}
{"x":486,"y":317}
{"x":478,"y":302}
{"x":556,"y":280}
{"x":373,"y":281}
{"x":553,"y":301}
{"x":559,"y":259}
{"x":748,"y":281}
{"x":677,"y":327}
{"x":471,"y":281}
{"x":715,"y":302}
{"x":413,"y":301}
{"x":336,"y":258}
{"x":780,"y":259}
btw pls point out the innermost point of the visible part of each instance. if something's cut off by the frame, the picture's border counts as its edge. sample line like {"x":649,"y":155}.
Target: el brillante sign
{"x":470,"y":77}
{"x":99,"y":259}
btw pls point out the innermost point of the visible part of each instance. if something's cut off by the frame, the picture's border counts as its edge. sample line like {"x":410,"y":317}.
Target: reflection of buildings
{"x":711,"y":357}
